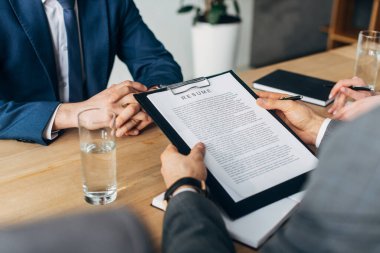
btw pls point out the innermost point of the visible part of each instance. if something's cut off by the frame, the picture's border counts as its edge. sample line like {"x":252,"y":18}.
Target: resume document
{"x":247,"y":149}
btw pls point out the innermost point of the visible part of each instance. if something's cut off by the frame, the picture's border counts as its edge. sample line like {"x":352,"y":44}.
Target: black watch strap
{"x":200,"y":186}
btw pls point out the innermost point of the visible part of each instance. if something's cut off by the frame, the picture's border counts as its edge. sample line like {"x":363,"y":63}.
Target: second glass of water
{"x":368,"y":58}
{"x":98,"y":155}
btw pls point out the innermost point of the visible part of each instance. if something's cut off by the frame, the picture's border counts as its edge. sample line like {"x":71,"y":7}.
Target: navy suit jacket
{"x":28,"y":78}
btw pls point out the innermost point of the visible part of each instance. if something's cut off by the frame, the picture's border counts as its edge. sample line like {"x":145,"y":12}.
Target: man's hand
{"x":342,"y":92}
{"x":140,"y":121}
{"x":176,"y":166}
{"x":142,"y":118}
{"x":118,"y":99}
{"x":300,"y":118}
{"x":357,"y":108}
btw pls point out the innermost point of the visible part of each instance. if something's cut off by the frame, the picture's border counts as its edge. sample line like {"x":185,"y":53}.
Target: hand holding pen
{"x":293,"y":114}
{"x":354,"y":88}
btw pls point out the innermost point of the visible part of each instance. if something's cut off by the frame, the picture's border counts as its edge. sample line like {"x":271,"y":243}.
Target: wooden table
{"x":38,"y":182}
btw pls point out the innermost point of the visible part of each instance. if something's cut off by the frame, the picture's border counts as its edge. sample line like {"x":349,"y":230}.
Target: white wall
{"x":174,"y":31}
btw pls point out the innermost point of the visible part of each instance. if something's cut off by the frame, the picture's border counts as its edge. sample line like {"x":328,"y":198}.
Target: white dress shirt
{"x":54,"y":13}
{"x":55,"y":16}
{"x":322,"y":131}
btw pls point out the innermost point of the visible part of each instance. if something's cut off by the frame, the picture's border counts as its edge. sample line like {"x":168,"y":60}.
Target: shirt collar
{"x":44,"y":1}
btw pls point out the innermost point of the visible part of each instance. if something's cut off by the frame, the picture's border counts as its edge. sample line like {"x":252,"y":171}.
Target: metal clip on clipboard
{"x":179,"y":88}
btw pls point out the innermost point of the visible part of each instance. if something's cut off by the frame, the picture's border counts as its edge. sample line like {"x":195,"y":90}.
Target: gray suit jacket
{"x":331,"y":128}
{"x":340,"y":211}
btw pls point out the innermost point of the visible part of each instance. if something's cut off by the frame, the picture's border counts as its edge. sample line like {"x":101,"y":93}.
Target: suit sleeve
{"x":192,"y":223}
{"x":331,"y":128}
{"x":147,"y":59}
{"x":25,"y":121}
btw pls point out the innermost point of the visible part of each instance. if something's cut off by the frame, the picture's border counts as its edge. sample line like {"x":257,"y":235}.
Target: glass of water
{"x":368,"y":57}
{"x":98,"y":155}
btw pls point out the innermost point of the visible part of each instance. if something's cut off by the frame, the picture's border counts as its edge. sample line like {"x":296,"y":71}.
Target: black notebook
{"x":313,"y":90}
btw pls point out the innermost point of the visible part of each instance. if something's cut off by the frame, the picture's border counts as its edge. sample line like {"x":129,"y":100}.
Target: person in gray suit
{"x":340,"y":211}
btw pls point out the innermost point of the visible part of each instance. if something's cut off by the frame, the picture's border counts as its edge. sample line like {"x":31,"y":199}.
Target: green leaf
{"x":213,"y":17}
{"x":185,"y":9}
{"x":197,"y":15}
{"x":216,"y":12}
{"x":237,"y":8}
{"x":221,"y":6}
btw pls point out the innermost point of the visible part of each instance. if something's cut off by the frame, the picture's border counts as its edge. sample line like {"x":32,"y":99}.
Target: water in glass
{"x":99,"y":171}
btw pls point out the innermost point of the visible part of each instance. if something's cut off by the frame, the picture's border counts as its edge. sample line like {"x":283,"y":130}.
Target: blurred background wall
{"x":272,"y":31}
{"x":288,"y":29}
{"x":174,"y":31}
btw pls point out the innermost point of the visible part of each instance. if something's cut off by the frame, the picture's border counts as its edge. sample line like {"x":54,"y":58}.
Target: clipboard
{"x":217,"y":193}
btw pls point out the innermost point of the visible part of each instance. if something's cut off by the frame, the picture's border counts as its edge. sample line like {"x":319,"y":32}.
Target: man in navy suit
{"x":56,"y":58}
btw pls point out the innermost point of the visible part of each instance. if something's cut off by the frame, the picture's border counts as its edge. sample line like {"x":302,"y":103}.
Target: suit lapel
{"x":32,"y":17}
{"x":95,"y":43}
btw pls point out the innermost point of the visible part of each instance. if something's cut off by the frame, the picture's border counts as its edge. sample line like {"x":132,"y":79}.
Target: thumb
{"x":170,"y":149}
{"x":198,"y":151}
{"x":274,"y":104}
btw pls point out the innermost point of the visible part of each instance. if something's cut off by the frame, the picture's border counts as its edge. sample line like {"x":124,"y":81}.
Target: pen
{"x":358,"y":88}
{"x":293,"y":98}
{"x":353,"y":87}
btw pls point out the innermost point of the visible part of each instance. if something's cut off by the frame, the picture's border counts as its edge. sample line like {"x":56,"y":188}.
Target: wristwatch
{"x":199,"y":186}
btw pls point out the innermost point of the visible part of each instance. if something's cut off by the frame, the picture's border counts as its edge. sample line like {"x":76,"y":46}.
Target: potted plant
{"x":215,"y":34}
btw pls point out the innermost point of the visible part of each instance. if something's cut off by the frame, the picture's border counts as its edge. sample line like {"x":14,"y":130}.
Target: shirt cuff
{"x":322,"y":132}
{"x":185,"y":189}
{"x":48,"y":133}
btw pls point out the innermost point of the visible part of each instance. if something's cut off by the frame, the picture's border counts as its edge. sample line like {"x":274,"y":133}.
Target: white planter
{"x":214,"y":47}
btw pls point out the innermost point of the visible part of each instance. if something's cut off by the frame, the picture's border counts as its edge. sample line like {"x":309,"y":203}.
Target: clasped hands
{"x":118,"y":98}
